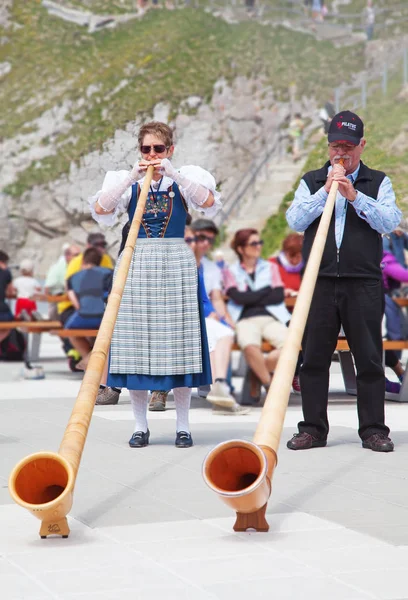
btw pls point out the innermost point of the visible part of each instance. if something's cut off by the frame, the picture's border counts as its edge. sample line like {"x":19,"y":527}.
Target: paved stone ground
{"x":144,"y":525}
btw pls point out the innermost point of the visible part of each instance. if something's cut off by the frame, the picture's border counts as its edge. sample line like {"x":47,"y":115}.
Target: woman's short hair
{"x":241,"y":237}
{"x":292,"y":244}
{"x":163,"y":131}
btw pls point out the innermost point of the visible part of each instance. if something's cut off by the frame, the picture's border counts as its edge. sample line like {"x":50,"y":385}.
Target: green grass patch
{"x":54,"y":62}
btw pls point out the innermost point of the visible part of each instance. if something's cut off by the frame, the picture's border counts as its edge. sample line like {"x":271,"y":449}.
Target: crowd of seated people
{"x":243,"y":301}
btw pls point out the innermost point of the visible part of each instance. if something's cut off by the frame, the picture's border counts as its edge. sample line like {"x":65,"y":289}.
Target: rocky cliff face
{"x":223,"y":136}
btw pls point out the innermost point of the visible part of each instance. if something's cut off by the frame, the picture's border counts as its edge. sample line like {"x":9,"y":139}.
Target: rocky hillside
{"x":72,"y":100}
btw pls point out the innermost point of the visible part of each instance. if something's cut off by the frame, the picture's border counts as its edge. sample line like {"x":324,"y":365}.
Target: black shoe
{"x":304,"y":441}
{"x":378,"y":442}
{"x":183,"y":439}
{"x":139,"y":439}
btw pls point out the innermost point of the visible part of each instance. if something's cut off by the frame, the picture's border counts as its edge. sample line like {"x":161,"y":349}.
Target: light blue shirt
{"x":381,"y":213}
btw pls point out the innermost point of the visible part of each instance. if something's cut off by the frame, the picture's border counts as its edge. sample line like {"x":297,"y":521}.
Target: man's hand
{"x":337,"y":171}
{"x":346,"y":188}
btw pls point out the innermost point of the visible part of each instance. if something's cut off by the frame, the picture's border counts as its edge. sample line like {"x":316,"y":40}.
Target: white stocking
{"x":139,"y":401}
{"x":182,"y":398}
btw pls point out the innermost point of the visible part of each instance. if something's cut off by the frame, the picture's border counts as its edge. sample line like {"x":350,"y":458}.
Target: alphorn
{"x":241,"y":472}
{"x":44,"y":482}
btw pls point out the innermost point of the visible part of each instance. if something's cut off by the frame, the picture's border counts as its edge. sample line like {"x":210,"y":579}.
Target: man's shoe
{"x":183,"y":439}
{"x":304,"y":441}
{"x":139,"y":439}
{"x":235,"y":410}
{"x":158,"y":401}
{"x":220,"y":395}
{"x":107,"y":395}
{"x":378,"y":442}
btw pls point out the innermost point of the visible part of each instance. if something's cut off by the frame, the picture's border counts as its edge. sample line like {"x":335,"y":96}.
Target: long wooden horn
{"x":44,"y":482}
{"x":241,"y":472}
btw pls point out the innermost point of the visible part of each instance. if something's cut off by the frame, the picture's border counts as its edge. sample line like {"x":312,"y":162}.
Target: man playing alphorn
{"x":349,"y":288}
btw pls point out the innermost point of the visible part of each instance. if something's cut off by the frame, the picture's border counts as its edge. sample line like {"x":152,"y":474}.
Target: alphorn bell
{"x":240,"y":472}
{"x":44,"y":482}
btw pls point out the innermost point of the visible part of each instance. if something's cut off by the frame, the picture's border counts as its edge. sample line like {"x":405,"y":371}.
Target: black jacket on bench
{"x":360,"y":253}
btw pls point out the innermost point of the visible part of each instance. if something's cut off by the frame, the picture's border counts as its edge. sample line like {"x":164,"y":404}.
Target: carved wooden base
{"x":54,"y":528}
{"x":255,"y":520}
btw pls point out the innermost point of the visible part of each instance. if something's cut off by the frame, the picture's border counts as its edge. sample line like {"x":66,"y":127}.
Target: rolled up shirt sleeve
{"x":306,"y":207}
{"x":381,"y":213}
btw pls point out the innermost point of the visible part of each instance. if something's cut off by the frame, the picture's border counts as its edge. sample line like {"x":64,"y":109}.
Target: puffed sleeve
{"x":112,"y":179}
{"x":203,"y":177}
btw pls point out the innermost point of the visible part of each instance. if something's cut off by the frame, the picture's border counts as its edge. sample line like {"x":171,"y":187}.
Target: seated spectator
{"x":220,"y":342}
{"x":396,"y":242}
{"x":55,"y":280}
{"x":6,"y":291}
{"x":26,"y":286}
{"x":393,"y":275}
{"x":256,"y":294}
{"x":87,"y":291}
{"x":65,"y":308}
{"x":97,"y":241}
{"x":290,"y":263}
{"x":205,"y":232}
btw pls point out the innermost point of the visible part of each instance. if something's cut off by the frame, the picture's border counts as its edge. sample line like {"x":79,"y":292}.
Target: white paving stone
{"x":144,"y":525}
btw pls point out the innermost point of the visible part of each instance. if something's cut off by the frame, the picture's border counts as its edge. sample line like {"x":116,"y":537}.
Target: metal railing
{"x":370,"y":84}
{"x":234,"y":199}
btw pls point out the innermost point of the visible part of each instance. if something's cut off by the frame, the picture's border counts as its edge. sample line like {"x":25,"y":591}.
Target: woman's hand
{"x":166,"y":168}
{"x":143,"y":164}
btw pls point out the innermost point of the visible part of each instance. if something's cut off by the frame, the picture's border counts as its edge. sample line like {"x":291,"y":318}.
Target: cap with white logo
{"x":346,"y":127}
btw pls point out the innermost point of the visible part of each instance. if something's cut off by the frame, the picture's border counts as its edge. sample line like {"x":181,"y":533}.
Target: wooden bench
{"x":35,"y":329}
{"x":252,"y":386}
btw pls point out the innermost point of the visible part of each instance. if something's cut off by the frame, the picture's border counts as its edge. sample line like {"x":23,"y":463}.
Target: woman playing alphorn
{"x":159,"y":341}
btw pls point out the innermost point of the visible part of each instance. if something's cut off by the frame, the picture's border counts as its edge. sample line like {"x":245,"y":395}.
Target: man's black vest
{"x":360,"y":253}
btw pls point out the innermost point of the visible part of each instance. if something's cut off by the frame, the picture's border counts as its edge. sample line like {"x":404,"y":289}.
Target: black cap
{"x":346,"y":126}
{"x":204,"y":225}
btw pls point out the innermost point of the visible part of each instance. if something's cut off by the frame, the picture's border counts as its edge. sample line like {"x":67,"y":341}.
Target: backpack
{"x":13,"y":347}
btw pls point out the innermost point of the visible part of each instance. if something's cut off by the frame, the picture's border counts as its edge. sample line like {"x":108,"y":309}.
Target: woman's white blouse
{"x":192,"y":172}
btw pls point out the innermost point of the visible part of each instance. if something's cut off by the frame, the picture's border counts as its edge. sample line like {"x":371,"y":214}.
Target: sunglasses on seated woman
{"x":189,"y":240}
{"x":255,"y":244}
{"x":158,"y":148}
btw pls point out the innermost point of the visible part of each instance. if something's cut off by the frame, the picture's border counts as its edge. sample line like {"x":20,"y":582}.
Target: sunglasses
{"x":101,"y":244}
{"x":189,"y":240}
{"x":158,"y":149}
{"x":255,"y":244}
{"x":205,"y":238}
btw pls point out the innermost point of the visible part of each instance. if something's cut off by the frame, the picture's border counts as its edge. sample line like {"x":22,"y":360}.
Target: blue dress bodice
{"x":164,"y":215}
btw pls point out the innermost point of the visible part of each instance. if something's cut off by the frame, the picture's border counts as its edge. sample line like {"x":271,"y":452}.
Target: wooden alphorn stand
{"x":241,"y":472}
{"x":44,"y":482}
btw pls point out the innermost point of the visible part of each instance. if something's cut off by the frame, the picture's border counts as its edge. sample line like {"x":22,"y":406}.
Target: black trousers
{"x":358,"y":305}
